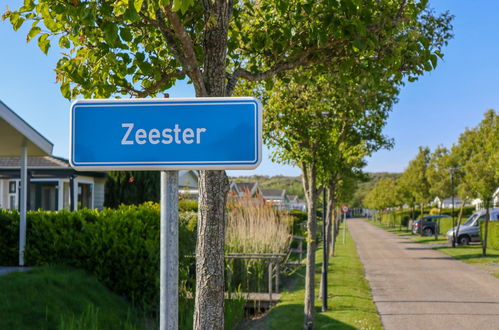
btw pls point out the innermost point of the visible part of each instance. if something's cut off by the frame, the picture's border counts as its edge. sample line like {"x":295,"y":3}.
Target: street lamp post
{"x":452,"y":169}
{"x":324,"y":256}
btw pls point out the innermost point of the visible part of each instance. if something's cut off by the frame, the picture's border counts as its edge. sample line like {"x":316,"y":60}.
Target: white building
{"x":51,"y":181}
{"x":188,"y":184}
{"x":296,"y":204}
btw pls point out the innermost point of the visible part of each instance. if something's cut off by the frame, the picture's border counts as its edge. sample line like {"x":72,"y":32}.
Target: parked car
{"x":429,"y":224}
{"x":470,"y":230}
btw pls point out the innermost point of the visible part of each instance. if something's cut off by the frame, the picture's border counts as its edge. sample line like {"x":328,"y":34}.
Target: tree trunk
{"x":213,"y":185}
{"x":329,"y":227}
{"x":209,"y":301}
{"x":486,"y":233}
{"x":330,"y":219}
{"x":310,"y":187}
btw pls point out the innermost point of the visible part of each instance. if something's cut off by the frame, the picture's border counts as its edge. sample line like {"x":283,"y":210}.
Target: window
{"x":12,"y":187}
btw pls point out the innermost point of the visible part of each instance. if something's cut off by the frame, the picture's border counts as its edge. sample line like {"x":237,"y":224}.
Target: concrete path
{"x":415,"y":287}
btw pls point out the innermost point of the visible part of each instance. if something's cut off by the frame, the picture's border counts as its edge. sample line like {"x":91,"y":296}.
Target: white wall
{"x":98,"y":192}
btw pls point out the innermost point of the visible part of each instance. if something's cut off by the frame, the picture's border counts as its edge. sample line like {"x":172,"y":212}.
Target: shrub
{"x":119,"y":246}
{"x":493,"y":236}
{"x":299,"y":221}
{"x":253,"y":227}
{"x":187,"y":205}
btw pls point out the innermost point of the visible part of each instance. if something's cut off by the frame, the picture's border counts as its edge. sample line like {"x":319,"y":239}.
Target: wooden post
{"x":270,"y":282}
{"x":277,"y":277}
{"x":301,"y":251}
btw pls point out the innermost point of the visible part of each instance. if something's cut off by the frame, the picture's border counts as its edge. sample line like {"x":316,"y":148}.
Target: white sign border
{"x":157,"y":166}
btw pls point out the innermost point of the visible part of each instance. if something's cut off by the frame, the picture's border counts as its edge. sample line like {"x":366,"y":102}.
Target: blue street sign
{"x":166,"y":134}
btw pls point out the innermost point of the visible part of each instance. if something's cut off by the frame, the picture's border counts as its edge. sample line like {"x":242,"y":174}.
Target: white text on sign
{"x":165,"y":136}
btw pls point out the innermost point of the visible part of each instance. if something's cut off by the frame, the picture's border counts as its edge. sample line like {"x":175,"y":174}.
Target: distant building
{"x":275,"y":197}
{"x":51,"y":181}
{"x":244,"y":189}
{"x":447,"y":203}
{"x":296,"y":204}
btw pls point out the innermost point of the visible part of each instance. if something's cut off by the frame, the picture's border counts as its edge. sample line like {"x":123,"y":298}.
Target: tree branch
{"x":191,"y":63}
{"x":154,"y":88}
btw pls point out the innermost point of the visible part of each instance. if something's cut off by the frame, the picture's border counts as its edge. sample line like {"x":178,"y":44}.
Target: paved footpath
{"x":415,"y":287}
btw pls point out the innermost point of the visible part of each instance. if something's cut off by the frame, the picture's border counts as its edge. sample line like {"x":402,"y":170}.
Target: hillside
{"x":364,"y":187}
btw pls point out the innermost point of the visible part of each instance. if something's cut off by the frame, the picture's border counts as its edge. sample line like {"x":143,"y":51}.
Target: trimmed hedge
{"x":119,"y":246}
{"x":493,"y":237}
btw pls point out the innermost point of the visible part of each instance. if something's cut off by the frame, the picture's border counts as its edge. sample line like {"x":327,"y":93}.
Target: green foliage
{"x":382,"y":194}
{"x":187,"y":205}
{"x":438,"y":172}
{"x":364,"y":186}
{"x":61,"y":298}
{"x":493,"y":236}
{"x":131,"y":188}
{"x":478,"y":150}
{"x":299,"y":220}
{"x":143,"y":47}
{"x":120,"y":247}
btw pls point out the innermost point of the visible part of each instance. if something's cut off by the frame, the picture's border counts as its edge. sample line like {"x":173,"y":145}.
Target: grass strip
{"x":350,"y":304}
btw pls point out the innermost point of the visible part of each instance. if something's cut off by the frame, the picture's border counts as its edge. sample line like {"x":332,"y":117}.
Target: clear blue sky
{"x":431,"y":111}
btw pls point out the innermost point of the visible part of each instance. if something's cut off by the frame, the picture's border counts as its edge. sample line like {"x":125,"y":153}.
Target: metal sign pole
{"x":168,"y":317}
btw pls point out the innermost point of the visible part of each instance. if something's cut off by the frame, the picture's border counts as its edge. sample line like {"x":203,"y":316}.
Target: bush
{"x":299,"y":220}
{"x":119,"y":246}
{"x":493,"y":236}
{"x":187,"y":205}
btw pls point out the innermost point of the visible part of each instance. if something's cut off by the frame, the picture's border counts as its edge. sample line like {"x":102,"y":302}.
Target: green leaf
{"x":17,"y":23}
{"x":44,"y":43}
{"x":64,"y":42}
{"x":126,"y":34}
{"x":66,"y":90}
{"x":433,"y":59}
{"x":32,"y":33}
{"x":137,"y":4}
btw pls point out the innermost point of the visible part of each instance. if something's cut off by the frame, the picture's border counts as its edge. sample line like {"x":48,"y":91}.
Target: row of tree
{"x":469,"y":169}
{"x":328,"y":73}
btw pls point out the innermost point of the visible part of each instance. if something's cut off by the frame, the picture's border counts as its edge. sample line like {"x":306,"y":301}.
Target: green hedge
{"x":119,"y":246}
{"x":493,"y":237}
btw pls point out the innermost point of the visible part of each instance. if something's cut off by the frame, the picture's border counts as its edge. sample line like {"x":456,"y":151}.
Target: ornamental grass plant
{"x":254,"y":226}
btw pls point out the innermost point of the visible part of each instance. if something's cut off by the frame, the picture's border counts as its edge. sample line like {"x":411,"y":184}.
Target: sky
{"x":433,"y":111}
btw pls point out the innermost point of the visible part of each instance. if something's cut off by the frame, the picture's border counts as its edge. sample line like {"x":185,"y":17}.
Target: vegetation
{"x":470,"y":167}
{"x":350,"y":305}
{"x":292,"y":185}
{"x":366,"y":185}
{"x":131,"y":188}
{"x":254,"y":227}
{"x":120,"y":247}
{"x":471,"y":254}
{"x":142,"y":48}
{"x":61,"y":298}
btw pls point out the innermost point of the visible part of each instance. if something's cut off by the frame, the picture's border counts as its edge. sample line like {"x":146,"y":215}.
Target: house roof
{"x":242,"y":186}
{"x":449,"y":200}
{"x":273,"y":192}
{"x":293,"y":198}
{"x":40,"y":162}
{"x":15,"y":132}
